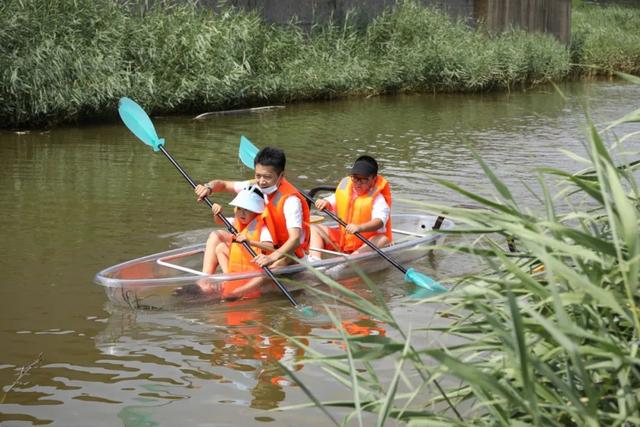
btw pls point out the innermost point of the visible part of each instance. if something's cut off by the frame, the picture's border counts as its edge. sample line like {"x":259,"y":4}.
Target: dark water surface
{"x":75,"y":200}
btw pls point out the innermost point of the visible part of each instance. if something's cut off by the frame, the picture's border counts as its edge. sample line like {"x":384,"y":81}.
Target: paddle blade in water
{"x":423,"y":281}
{"x":139,"y":123}
{"x":307,"y":311}
{"x":247,"y":152}
{"x":421,"y":293}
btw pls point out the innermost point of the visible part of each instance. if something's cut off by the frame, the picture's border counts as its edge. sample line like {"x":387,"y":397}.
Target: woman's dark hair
{"x":369,"y":160}
{"x":270,"y":156}
{"x":365,"y":165}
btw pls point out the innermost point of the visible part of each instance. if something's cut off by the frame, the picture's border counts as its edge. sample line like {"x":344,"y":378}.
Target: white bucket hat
{"x":250,"y":198}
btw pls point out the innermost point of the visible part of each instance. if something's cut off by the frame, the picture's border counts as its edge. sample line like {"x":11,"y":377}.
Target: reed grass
{"x":422,"y":49}
{"x":605,"y":40}
{"x":548,"y":335}
{"x":64,"y":60}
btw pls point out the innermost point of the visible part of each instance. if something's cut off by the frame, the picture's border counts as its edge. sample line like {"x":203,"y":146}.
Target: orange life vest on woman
{"x":354,"y":209}
{"x":240,"y":258}
{"x":275,"y":210}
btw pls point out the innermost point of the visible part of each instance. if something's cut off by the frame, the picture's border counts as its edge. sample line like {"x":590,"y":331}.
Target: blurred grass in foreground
{"x":547,"y":335}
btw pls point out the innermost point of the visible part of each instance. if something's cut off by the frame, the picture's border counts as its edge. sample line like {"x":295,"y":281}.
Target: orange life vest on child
{"x":275,"y":210}
{"x":357,"y":210}
{"x":240,"y":258}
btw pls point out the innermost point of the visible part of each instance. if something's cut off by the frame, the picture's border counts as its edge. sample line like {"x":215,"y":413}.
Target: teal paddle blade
{"x":424,"y":282}
{"x":139,"y":123}
{"x":307,"y":311}
{"x":421,"y":293}
{"x":247,"y":152}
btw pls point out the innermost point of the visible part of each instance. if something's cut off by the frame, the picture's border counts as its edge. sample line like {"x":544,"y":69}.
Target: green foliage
{"x":422,"y":49}
{"x":64,"y":60}
{"x":547,"y":335}
{"x":605,"y":40}
{"x":59,"y":59}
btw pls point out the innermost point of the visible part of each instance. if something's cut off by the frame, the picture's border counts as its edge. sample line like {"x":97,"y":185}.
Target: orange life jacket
{"x":240,"y":258}
{"x":354,"y":209}
{"x":275,"y":210}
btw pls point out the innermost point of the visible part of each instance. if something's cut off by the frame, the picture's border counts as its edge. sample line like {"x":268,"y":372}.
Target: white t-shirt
{"x":380,"y":210}
{"x":292,"y":209}
{"x":265,"y":236}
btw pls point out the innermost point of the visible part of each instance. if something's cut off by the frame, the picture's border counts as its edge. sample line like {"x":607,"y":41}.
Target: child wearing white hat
{"x":229,"y":253}
{"x":249,"y":204}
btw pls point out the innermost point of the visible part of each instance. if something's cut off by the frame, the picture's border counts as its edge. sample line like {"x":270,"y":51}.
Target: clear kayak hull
{"x":152,"y":281}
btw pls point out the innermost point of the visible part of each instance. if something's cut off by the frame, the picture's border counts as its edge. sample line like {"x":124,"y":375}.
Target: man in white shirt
{"x":287,"y":212}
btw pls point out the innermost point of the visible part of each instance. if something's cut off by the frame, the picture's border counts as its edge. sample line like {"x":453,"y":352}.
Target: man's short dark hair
{"x":270,"y":156}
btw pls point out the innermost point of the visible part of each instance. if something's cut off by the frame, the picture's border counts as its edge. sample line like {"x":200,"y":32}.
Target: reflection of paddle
{"x":140,"y":124}
{"x":248,"y":152}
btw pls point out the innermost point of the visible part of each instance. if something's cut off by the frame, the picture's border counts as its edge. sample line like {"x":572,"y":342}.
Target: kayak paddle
{"x":139,"y":123}
{"x":248,"y":152}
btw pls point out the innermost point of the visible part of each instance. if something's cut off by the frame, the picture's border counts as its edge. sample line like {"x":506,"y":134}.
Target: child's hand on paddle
{"x":216,"y":209}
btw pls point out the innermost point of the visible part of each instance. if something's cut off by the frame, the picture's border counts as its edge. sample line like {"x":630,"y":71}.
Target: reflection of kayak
{"x":151,"y":281}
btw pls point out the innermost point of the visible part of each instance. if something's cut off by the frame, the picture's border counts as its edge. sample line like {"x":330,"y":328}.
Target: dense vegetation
{"x":544,"y":336}
{"x":63,"y":60}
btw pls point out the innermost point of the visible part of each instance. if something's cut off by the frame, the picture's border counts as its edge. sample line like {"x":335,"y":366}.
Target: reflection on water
{"x":75,"y":200}
{"x":164,"y":368}
{"x":225,"y":356}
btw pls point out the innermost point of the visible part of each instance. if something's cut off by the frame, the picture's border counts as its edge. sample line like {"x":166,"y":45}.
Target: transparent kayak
{"x":155,"y":281}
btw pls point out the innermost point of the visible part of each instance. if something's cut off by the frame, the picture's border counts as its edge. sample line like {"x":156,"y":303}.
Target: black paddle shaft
{"x":337,"y":219}
{"x":230,"y":227}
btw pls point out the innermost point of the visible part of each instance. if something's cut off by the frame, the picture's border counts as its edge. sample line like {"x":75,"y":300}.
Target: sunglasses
{"x":360,"y":179}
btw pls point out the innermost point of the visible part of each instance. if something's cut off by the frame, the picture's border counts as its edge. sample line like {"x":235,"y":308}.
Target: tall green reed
{"x":547,"y":335}
{"x":605,"y":39}
{"x":63,"y":60}
{"x":59,"y":59}
{"x":423,"y":49}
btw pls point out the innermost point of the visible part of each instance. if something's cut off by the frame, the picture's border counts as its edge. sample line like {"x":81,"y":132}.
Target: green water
{"x":76,"y":200}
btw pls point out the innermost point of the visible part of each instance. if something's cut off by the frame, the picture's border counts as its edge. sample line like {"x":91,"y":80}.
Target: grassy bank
{"x":605,"y":40}
{"x":63,"y":60}
{"x":547,"y":335}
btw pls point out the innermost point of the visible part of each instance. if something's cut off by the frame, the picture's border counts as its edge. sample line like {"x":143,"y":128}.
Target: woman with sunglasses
{"x":363,"y":201}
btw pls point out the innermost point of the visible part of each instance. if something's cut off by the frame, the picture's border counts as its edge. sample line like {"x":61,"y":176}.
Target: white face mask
{"x":269,"y":190}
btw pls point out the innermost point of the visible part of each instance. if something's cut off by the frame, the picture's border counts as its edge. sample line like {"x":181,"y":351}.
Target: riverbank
{"x":71,"y":61}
